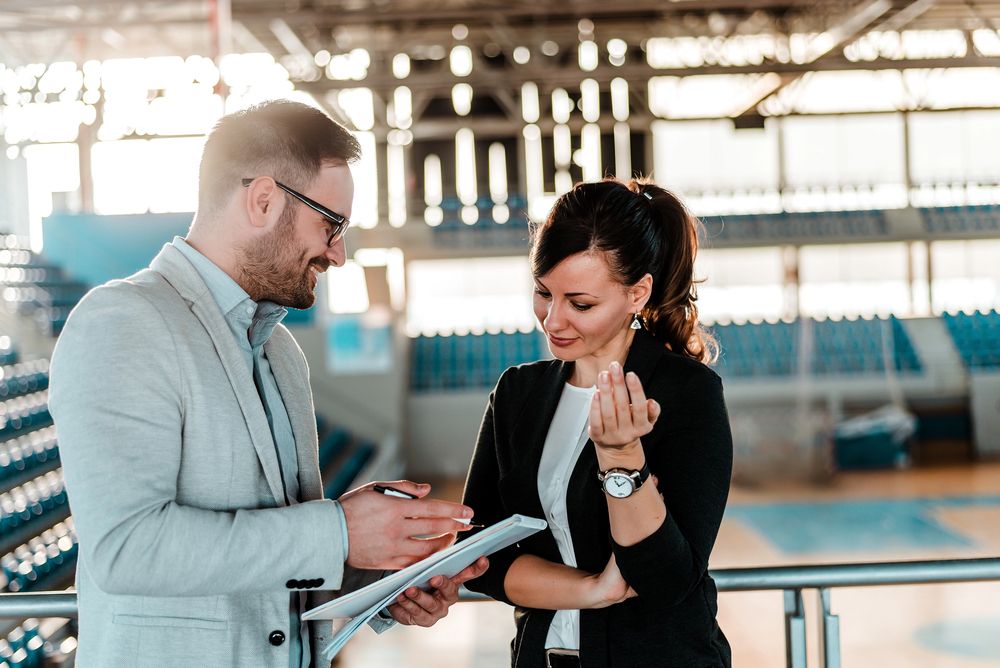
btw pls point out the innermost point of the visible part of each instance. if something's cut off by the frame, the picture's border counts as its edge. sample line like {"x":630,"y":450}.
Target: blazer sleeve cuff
{"x":656,"y":565}
{"x":491,"y":582}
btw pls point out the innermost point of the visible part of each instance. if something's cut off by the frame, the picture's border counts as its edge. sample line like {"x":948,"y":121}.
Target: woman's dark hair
{"x":640,"y":228}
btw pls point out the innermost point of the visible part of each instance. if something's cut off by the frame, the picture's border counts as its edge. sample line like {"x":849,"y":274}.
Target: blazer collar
{"x":181,"y":274}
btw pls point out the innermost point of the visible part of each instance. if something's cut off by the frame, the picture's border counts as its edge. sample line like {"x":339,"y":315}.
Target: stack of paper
{"x":361,"y":605}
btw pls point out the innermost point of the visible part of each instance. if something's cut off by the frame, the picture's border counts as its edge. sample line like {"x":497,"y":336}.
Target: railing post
{"x":795,"y":629}
{"x":829,"y":633}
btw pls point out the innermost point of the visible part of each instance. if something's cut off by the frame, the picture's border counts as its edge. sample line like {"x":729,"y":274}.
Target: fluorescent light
{"x":619,"y":99}
{"x":461,"y":98}
{"x":590,"y":152}
{"x":498,"y":173}
{"x":562,"y":145}
{"x":529,"y":102}
{"x":623,"y":152}
{"x":461,"y":61}
{"x":402,"y":104}
{"x":588,"y":56}
{"x":396,"y":186}
{"x":401,"y":66}
{"x":562,"y":106}
{"x":433,"y":190}
{"x":590,"y":97}
{"x":465,"y":167}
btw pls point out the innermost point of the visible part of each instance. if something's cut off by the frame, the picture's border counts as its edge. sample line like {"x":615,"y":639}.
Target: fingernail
{"x":603,"y":378}
{"x":616,"y":368}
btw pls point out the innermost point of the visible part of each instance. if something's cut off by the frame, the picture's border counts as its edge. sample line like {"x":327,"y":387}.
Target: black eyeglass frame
{"x":338,"y":222}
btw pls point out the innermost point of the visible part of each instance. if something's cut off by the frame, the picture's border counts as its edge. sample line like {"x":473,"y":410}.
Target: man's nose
{"x":337,"y":253}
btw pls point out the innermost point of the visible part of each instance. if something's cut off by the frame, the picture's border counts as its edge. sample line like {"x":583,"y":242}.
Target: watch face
{"x":618,"y":485}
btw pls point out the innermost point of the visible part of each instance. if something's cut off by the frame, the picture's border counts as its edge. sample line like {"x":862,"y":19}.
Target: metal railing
{"x":790,"y":580}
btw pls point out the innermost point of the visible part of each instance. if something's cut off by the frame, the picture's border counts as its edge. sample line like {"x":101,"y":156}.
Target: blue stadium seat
{"x":839,"y":347}
{"x":977,"y":338}
{"x":469,"y":361}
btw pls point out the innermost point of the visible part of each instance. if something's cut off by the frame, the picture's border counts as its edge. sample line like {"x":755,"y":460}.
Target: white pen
{"x":392,"y":491}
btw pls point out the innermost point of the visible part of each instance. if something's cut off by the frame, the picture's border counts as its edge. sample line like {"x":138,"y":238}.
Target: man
{"x":187,"y":431}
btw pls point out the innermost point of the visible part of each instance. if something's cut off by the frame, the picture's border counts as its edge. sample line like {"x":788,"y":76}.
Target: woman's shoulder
{"x":683,"y":367}
{"x":524,"y":375}
{"x":663,"y":363}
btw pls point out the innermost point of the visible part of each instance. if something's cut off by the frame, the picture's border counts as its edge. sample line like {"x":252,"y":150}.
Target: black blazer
{"x":671,"y":623}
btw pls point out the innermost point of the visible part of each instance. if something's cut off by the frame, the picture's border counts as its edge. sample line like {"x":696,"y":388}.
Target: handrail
{"x":791,"y":580}
{"x":821,"y":576}
{"x":817,"y":576}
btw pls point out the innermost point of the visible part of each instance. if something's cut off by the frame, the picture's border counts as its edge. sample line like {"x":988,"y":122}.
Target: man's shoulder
{"x":121,"y":302}
{"x":146,"y":286}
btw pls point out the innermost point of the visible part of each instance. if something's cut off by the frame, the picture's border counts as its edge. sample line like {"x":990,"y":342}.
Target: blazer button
{"x":276,"y":638}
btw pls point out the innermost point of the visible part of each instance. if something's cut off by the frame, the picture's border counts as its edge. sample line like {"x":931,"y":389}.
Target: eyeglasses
{"x":338,"y":223}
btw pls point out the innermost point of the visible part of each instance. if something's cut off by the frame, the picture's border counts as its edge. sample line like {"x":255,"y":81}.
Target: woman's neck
{"x":586,"y":368}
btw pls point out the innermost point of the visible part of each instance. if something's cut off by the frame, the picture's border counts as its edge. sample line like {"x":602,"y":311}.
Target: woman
{"x":633,"y":492}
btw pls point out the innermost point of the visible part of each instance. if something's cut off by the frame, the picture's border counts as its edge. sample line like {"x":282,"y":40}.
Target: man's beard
{"x":269,"y":267}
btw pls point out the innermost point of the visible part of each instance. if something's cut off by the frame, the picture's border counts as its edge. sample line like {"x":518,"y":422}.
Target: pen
{"x":398,"y":493}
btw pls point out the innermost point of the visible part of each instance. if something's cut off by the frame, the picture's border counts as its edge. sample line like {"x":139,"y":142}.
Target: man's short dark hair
{"x":285,"y":140}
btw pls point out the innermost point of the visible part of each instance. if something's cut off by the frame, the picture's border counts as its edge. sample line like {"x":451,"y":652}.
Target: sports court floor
{"x":936,"y":513}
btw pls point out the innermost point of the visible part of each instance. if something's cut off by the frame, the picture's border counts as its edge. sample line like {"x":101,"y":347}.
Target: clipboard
{"x":447,"y":562}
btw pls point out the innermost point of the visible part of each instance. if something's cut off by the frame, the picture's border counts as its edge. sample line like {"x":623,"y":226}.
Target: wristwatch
{"x":622,"y":483}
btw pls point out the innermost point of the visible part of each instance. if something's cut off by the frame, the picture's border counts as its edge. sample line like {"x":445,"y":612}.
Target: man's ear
{"x":263,"y":202}
{"x":640,"y":292}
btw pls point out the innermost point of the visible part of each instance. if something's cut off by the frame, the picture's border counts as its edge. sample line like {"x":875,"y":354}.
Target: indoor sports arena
{"x":741,"y":260}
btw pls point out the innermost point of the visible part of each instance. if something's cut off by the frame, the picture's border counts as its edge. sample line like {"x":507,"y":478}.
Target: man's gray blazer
{"x":187,"y":552}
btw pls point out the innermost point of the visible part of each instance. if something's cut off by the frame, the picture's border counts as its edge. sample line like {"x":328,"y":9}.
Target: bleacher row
{"x":37,"y":541}
{"x":38,"y":546}
{"x":35,"y":288}
{"x":748,"y":228}
{"x":845,"y":347}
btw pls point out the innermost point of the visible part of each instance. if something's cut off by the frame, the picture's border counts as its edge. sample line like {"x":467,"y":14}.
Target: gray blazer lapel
{"x":292,"y":376}
{"x":175,"y":268}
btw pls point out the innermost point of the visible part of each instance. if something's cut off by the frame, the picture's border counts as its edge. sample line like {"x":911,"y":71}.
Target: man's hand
{"x":383,"y":531}
{"x":422,"y":608}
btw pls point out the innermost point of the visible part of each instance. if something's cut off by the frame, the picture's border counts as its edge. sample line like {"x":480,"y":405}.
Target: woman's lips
{"x":561,"y":343}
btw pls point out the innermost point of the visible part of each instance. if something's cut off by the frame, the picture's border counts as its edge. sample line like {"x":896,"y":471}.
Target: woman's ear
{"x":640,"y":292}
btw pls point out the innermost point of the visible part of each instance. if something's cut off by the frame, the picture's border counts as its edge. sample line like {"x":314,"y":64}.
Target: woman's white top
{"x":563,"y":445}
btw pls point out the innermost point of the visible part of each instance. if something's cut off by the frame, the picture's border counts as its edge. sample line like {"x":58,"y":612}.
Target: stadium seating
{"x":342,"y":457}
{"x":961,"y":219}
{"x":38,"y":546}
{"x":796,"y":225}
{"x":838,"y":347}
{"x":475,"y":360}
{"x":35,"y":288}
{"x":442,"y":363}
{"x":977,"y":337}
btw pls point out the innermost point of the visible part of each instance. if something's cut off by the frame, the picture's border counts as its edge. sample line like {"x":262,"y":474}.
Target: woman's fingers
{"x":653,"y":407}
{"x":596,"y":430}
{"x":605,"y":394}
{"x":619,"y":395}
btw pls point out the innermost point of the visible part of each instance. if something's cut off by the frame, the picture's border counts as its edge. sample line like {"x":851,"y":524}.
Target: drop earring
{"x":636,"y":321}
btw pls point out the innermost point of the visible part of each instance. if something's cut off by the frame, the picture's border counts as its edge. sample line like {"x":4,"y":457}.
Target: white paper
{"x":447,"y":562}
{"x":361,"y":605}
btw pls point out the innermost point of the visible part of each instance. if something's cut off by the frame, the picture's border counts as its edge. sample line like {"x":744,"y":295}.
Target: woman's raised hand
{"x":615,"y":422}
